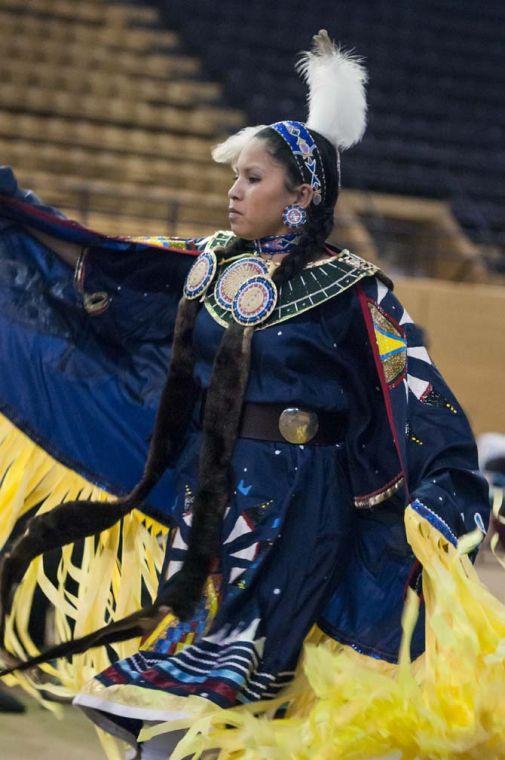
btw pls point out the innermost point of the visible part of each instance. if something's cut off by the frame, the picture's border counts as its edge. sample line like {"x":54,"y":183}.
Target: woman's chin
{"x":243,"y":231}
{"x":235,"y":225}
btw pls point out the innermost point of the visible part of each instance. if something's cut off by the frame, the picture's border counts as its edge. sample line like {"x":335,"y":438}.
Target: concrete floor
{"x":491,"y":574}
{"x":38,"y":735}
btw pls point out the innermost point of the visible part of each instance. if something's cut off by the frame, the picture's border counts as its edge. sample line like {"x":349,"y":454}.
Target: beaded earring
{"x":294,"y":216}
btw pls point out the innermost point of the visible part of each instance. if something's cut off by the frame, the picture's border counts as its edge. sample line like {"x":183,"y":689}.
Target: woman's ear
{"x":304,"y":195}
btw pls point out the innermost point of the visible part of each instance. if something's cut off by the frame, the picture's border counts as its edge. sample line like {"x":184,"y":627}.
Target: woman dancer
{"x":300,"y":417}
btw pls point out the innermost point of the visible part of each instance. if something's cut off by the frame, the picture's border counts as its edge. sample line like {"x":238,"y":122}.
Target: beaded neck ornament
{"x":277,"y":244}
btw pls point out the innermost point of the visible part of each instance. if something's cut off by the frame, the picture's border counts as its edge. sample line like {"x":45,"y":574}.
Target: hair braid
{"x":73,"y":520}
{"x":182,"y":591}
{"x":318,"y":228}
{"x":220,"y":426}
{"x":319,"y":218}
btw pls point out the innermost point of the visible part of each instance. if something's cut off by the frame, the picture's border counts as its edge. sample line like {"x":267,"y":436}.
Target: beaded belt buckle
{"x":298,"y":425}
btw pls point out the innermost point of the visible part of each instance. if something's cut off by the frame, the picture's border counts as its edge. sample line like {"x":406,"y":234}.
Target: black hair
{"x":319,"y":218}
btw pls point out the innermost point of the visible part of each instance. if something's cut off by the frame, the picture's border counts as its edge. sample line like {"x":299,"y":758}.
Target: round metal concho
{"x":298,"y":425}
{"x":200,"y":275}
{"x":234,"y":276}
{"x":96,"y":303}
{"x":254,"y":301}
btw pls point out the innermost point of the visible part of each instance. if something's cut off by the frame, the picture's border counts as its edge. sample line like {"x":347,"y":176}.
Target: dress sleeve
{"x":126,"y":288}
{"x":445,"y":483}
{"x":434,"y":439}
{"x":9,"y":187}
{"x":84,"y":385}
{"x":132,"y":295}
{"x":410,"y":453}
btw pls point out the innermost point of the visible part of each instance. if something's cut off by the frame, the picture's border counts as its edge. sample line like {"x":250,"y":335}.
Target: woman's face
{"x":259,"y":194}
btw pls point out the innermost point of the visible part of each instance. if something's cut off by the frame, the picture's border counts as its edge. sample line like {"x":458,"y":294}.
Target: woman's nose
{"x":234,"y":191}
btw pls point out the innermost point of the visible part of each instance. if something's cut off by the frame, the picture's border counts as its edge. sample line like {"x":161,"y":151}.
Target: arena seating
{"x":110,"y":109}
{"x":436,"y":88}
{"x":106,"y":117}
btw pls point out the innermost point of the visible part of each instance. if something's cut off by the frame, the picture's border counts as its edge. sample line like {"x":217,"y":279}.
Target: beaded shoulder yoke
{"x":317,"y":283}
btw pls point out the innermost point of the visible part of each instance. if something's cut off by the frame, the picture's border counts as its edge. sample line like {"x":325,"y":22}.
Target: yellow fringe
{"x":497,"y":505}
{"x":449,"y":704}
{"x":112,"y":574}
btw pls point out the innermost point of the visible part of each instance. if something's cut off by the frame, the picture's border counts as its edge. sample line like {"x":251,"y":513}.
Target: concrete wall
{"x":465,"y":326}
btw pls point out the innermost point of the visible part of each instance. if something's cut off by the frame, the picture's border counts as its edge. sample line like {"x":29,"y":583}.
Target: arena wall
{"x":464,"y":325}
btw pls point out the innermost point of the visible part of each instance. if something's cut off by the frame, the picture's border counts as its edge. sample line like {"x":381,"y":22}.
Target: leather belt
{"x":284,"y":422}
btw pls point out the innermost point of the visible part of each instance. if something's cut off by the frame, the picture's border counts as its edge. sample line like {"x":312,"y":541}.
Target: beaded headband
{"x":306,"y":154}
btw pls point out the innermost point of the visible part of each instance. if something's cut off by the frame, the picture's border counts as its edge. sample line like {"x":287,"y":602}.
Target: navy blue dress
{"x":286,"y":534}
{"x":314,"y":534}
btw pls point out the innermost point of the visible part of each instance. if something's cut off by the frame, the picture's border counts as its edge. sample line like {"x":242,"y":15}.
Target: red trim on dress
{"x":73,"y":225}
{"x":364,"y":300}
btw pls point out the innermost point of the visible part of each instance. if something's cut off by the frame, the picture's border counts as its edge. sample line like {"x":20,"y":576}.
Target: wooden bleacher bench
{"x":73,"y":30}
{"x":117,"y":224}
{"x":107,"y":120}
{"x":95,"y":12}
{"x":119,"y":140}
{"x":96,"y":164}
{"x":199,"y":120}
{"x":127,"y":198}
{"x":22,"y":73}
{"x":90,"y":56}
{"x":449,"y":254}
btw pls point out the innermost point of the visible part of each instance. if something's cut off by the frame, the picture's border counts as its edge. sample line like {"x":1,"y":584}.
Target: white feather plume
{"x":228,"y":151}
{"x":337,"y":101}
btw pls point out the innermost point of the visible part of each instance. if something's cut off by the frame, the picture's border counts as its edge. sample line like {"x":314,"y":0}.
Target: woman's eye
{"x":254,"y":179}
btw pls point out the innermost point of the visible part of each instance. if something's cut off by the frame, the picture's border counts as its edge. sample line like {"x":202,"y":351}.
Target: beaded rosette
{"x":234,"y":276}
{"x":244,"y":290}
{"x":200,"y":275}
{"x":254,"y":301}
